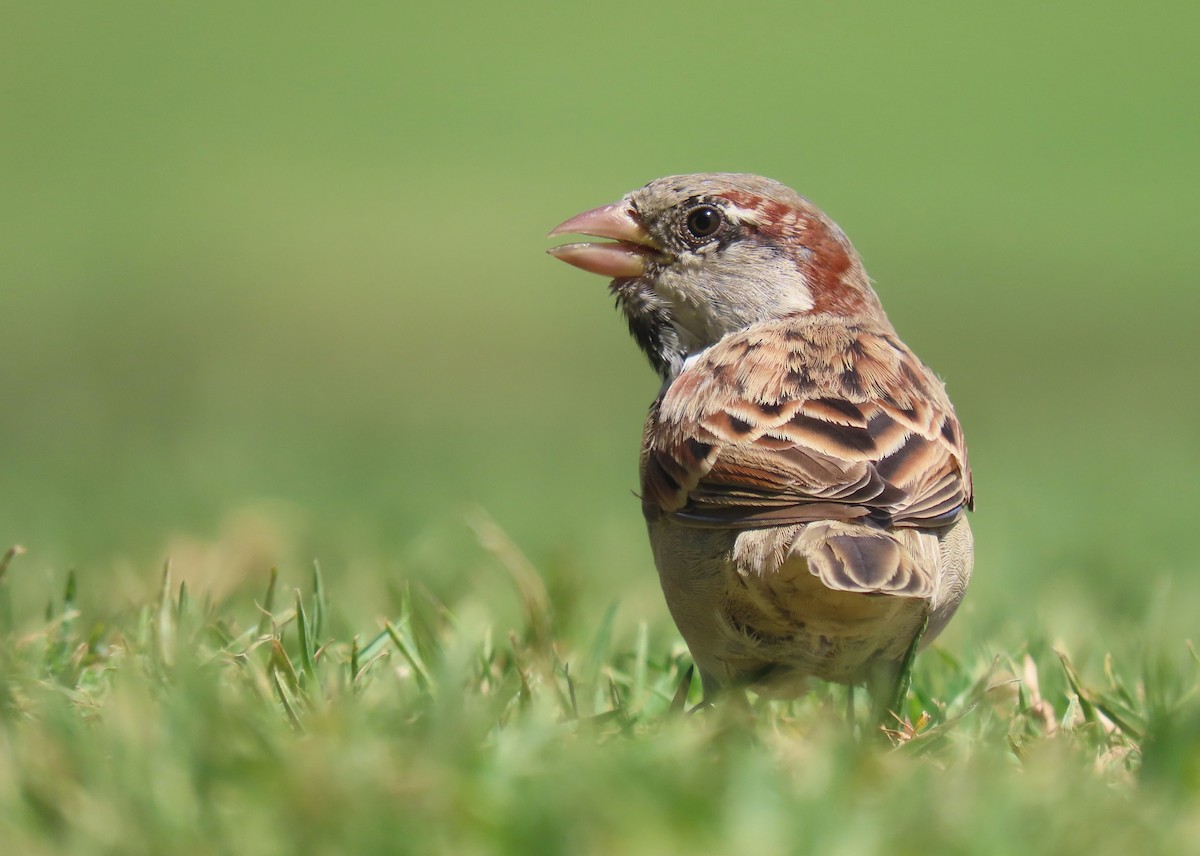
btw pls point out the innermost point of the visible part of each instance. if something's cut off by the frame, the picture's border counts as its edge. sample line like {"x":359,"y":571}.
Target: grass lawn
{"x":268,"y":724}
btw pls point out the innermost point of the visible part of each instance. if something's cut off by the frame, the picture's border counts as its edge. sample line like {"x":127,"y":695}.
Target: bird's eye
{"x":703,"y":221}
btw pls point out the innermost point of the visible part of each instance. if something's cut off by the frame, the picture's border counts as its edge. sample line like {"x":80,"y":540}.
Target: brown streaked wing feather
{"x":817,"y":422}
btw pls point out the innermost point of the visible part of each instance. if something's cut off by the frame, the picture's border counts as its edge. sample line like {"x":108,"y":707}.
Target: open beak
{"x":626,"y":259}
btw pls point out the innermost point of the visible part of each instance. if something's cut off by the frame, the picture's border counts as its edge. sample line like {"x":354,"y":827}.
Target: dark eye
{"x":704,"y":221}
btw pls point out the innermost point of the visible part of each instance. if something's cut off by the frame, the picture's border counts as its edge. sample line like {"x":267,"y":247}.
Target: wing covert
{"x":793,"y":421}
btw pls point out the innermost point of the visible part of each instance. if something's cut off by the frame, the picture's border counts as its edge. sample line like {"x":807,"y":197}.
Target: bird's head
{"x":699,"y":256}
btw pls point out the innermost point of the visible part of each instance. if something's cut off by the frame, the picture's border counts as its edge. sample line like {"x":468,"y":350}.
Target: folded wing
{"x":794,"y":422}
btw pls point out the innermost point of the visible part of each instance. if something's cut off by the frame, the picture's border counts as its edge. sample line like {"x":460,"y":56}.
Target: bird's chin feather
{"x":651,"y":324}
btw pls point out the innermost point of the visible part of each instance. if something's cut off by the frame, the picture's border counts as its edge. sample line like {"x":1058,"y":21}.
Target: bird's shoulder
{"x":805,"y":418}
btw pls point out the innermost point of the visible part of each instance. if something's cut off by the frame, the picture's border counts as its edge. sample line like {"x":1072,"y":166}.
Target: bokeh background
{"x":272,"y":281}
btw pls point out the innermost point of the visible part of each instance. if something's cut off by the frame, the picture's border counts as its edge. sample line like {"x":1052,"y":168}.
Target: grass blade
{"x":268,"y":604}
{"x":307,"y":661}
{"x":320,"y":600}
{"x":402,"y":638}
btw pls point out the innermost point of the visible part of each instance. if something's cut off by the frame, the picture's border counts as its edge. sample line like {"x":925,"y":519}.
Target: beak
{"x":625,"y":259}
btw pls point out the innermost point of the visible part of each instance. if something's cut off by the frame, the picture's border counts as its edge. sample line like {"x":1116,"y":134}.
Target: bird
{"x":804,"y":477}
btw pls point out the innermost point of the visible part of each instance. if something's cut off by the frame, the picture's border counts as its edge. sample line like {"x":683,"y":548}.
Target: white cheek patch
{"x":710,"y":295}
{"x":766,"y":284}
{"x":800,"y":299}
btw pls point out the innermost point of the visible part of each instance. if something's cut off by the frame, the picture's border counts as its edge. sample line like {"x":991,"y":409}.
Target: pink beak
{"x":625,"y":259}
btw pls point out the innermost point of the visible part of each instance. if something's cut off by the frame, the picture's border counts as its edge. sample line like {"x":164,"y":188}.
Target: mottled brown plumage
{"x":804,"y":477}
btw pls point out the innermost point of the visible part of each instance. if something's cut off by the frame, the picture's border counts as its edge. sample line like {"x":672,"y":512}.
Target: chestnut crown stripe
{"x":829,"y":263}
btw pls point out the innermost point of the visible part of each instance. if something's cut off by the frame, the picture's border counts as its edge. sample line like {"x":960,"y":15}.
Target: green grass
{"x":255,"y":724}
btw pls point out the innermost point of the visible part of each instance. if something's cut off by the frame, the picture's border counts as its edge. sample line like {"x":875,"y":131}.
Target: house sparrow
{"x":804,"y":478}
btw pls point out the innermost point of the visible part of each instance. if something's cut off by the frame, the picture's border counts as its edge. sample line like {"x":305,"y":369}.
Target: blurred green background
{"x":271,"y":278}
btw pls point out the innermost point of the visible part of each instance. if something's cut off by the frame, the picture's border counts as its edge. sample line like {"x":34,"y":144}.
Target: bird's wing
{"x":793,"y":422}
